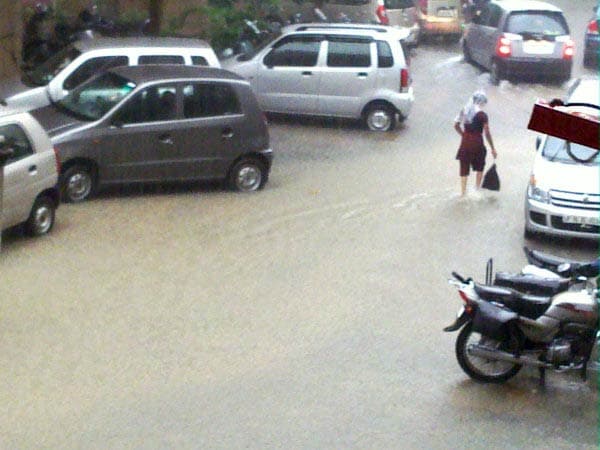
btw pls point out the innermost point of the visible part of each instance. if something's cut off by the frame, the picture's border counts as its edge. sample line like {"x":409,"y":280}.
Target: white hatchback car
{"x":30,"y":194}
{"x":563,"y":195}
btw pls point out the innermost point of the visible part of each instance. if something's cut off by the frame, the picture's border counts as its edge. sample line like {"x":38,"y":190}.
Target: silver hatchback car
{"x":158,"y":123}
{"x":519,"y":38}
{"x":342,"y":70}
{"x":30,"y":195}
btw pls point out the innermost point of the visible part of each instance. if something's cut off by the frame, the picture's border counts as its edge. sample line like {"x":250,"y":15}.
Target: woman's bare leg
{"x":463,"y":186}
{"x":478,"y":178}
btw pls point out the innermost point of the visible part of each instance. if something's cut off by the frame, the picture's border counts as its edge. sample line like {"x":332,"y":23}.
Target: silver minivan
{"x":30,"y":195}
{"x":342,"y":70}
{"x":158,"y":123}
{"x":56,"y":77}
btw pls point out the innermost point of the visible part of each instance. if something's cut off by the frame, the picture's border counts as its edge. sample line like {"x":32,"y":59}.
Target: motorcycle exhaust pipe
{"x":485,"y":352}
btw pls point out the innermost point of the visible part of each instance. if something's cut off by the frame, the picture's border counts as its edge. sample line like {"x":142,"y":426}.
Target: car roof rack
{"x":342,"y":27}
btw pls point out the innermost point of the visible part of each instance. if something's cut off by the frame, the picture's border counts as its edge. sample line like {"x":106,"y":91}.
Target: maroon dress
{"x":471,"y":152}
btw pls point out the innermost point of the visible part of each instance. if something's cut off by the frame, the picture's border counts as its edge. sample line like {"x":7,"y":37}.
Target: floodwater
{"x":308,"y":315}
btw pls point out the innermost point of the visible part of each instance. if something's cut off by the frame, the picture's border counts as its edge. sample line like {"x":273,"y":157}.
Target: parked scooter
{"x":502,"y":329}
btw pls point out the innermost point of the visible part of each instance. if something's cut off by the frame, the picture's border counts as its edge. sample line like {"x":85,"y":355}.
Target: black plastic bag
{"x":491,"y":180}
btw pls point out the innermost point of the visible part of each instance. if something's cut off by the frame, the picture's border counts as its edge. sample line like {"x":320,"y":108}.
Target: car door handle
{"x":165,"y":139}
{"x":362,"y":74}
{"x":227,"y":133}
{"x":306,"y":73}
{"x":33,"y":169}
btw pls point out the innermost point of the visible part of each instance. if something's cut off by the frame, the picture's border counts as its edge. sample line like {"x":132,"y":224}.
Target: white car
{"x":563,"y":195}
{"x":30,"y":194}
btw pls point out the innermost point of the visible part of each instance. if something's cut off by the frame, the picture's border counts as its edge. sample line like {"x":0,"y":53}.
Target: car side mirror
{"x":538,"y":141}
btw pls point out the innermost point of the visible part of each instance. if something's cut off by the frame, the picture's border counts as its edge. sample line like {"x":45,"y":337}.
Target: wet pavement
{"x":308,"y":315}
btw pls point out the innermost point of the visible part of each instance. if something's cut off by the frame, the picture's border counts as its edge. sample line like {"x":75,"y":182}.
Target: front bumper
{"x":553,"y":220}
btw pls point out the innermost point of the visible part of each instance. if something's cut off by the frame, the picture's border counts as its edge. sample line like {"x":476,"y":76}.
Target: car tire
{"x":247,"y":175}
{"x":380,"y":117}
{"x":495,"y":76}
{"x":41,"y":218}
{"x":77,"y":183}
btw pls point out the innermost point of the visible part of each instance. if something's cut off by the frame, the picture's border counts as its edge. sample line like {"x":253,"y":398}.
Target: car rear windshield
{"x":557,"y":150}
{"x":545,"y":23}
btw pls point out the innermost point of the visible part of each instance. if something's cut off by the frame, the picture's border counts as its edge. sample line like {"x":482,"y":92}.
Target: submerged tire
{"x":77,"y":183}
{"x":481,"y":369}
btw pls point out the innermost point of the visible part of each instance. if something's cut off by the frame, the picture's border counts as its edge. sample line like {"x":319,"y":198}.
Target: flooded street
{"x":307,"y":315}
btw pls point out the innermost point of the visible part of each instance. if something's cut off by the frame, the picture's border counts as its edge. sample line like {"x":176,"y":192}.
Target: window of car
{"x":384,"y":54}
{"x":294,"y":51}
{"x":556,"y":149}
{"x":348,"y":52}
{"x":209,"y":100}
{"x":16,"y":139}
{"x":91,"y":67}
{"x":160,"y":59}
{"x":46,"y":71}
{"x":93,"y":99}
{"x":153,"y":104}
{"x":533,"y":22}
{"x":350,"y":2}
{"x":495,"y":13}
{"x":199,"y":60}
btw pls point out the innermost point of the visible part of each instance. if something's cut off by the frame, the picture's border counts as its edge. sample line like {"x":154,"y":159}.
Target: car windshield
{"x":535,"y":23}
{"x":557,"y":150}
{"x":92,"y":100}
{"x":46,"y":71}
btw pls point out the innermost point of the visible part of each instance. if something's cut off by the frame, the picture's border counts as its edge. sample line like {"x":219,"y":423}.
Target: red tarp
{"x":572,"y":126}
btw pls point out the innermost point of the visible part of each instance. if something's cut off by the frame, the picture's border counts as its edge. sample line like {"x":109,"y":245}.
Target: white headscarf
{"x":473,"y":106}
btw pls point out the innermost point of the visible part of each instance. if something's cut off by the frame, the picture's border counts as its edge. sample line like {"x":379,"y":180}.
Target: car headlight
{"x":538,"y":194}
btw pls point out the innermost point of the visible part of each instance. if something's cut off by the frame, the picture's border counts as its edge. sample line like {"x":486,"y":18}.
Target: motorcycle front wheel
{"x":482,"y":369}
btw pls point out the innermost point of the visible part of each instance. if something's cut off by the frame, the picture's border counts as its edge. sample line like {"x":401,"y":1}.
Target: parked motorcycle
{"x":502,"y":329}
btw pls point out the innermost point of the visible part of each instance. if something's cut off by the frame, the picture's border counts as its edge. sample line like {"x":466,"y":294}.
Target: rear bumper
{"x":535,"y":67}
{"x":431,"y":25}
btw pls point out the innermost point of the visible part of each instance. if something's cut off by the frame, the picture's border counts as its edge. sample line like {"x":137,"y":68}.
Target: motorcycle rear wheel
{"x":482,"y":369}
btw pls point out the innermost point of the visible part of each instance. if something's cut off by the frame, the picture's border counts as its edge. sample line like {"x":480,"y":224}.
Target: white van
{"x":52,"y":80}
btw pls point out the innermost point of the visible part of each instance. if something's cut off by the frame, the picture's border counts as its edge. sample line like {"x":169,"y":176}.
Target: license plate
{"x":538,"y":47}
{"x":582,"y":220}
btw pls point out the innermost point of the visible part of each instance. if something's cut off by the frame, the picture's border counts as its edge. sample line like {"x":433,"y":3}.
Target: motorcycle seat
{"x":527,"y":305}
{"x":533,"y":285}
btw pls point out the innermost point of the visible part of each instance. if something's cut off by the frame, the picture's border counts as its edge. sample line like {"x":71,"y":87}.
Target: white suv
{"x":30,"y":195}
{"x":563,"y":196}
{"x":341,"y":70}
{"x":56,"y":77}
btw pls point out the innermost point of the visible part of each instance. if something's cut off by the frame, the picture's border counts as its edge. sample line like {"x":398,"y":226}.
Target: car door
{"x":137,"y":141}
{"x":22,"y":176}
{"x":210,"y":137}
{"x":288,"y":75}
{"x":348,"y":72}
{"x":483,"y":34}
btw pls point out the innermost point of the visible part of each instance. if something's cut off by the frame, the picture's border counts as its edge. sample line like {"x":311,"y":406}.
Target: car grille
{"x":575,"y":200}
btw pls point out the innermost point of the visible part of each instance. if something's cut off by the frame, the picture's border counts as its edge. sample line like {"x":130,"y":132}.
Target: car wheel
{"x":41,"y":218}
{"x":380,"y":117}
{"x":247,"y":175}
{"x":77,"y":183}
{"x":495,"y":74}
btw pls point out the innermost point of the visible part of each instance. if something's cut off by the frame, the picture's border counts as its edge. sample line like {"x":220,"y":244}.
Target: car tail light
{"x":568,"y":49}
{"x":503,"y":47}
{"x":381,"y":13}
{"x":57,"y":160}
{"x":592,"y":27}
{"x":404,"y":80}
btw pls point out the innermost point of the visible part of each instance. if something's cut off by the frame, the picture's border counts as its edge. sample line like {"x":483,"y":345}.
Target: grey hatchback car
{"x":522,"y":38}
{"x":158,"y":123}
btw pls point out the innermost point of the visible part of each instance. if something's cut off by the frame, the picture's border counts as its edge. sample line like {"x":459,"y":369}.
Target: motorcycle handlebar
{"x":458,"y":277}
